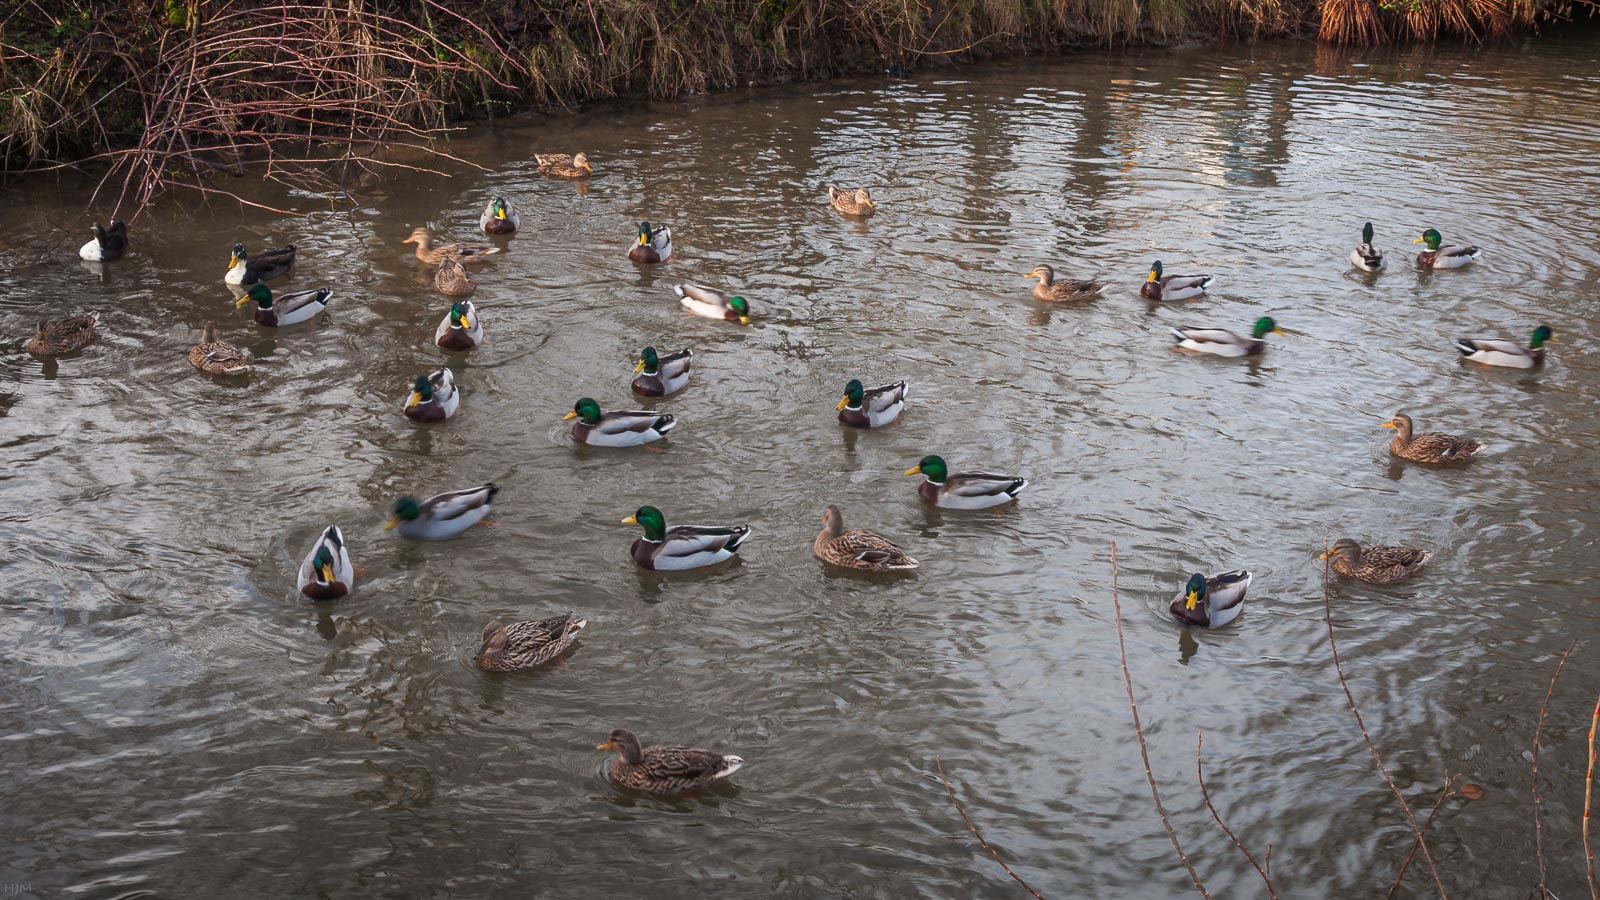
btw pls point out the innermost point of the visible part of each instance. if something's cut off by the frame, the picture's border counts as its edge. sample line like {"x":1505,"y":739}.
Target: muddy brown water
{"x":178,"y":722}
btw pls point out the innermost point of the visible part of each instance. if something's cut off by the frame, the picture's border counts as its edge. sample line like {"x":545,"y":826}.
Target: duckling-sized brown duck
{"x":217,"y":357}
{"x":665,"y":769}
{"x":1429,"y":446}
{"x":432,"y":255}
{"x":59,"y":336}
{"x":852,"y":202}
{"x":1065,"y":291}
{"x":523,"y":645}
{"x":452,"y":279}
{"x":857,"y":549}
{"x":1375,"y":565}
{"x":561,"y":165}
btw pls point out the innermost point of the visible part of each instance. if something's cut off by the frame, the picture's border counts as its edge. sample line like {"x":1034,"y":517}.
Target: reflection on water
{"x":170,"y":697}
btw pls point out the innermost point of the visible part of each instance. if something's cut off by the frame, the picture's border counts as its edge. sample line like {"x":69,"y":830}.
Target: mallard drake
{"x":618,"y":428}
{"x":1429,"y":446}
{"x":442,"y":516}
{"x":1493,"y":352}
{"x":433,"y":398}
{"x":1222,"y":342}
{"x":682,"y":546}
{"x":326,"y":573}
{"x":663,"y":769}
{"x":215,"y":357}
{"x":653,"y":246}
{"x":452,"y":279}
{"x":499,"y":217}
{"x":1067,"y":291}
{"x":263,"y":266}
{"x":857,"y":549}
{"x":433,"y":255}
{"x":523,"y":645}
{"x":661,"y":375}
{"x":109,"y":242}
{"x":852,"y":201}
{"x":561,"y":165}
{"x":969,"y":490}
{"x":713,"y":304}
{"x":460,"y":329}
{"x":285,"y":309}
{"x":1375,"y":565}
{"x":1211,"y":602}
{"x":55,"y":337}
{"x":1366,"y":257}
{"x":1172,"y":287}
{"x":862,"y":408}
{"x":1437,"y":257}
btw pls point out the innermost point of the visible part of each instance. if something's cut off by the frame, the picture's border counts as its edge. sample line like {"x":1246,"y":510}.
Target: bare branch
{"x":975,"y":833}
{"x":1200,"y":773}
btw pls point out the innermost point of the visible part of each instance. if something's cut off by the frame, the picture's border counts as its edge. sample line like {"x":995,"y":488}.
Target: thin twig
{"x":1144,"y":752}
{"x":1377,"y":759}
{"x":1200,"y":773}
{"x":1449,"y":780}
{"x":975,"y":833}
{"x":1588,"y":787}
{"x":1538,"y":831}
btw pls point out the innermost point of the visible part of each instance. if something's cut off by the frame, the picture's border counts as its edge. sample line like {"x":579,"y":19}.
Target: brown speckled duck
{"x":1375,"y":565}
{"x":434,"y":254}
{"x":852,"y":201}
{"x":665,"y":769}
{"x":856,"y":548}
{"x":452,"y":279}
{"x":55,"y":337}
{"x":217,"y":357}
{"x":562,"y":165}
{"x":1066,"y":291}
{"x":523,"y":645}
{"x":1429,"y":446}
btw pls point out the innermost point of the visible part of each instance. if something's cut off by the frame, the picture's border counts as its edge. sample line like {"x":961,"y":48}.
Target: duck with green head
{"x":618,"y":428}
{"x":433,"y":398}
{"x":442,"y":516}
{"x":1438,"y":256}
{"x":1222,"y":342}
{"x":1211,"y":602}
{"x":1160,"y":286}
{"x":499,"y":217}
{"x":326,"y":573}
{"x":1495,"y":352}
{"x":654,"y":244}
{"x":861,"y":407}
{"x":713,"y":304}
{"x":285,"y":309}
{"x":659,"y":375}
{"x":682,"y":546}
{"x":965,"y":490}
{"x":1366,"y":257}
{"x":460,"y":329}
{"x":268,"y":264}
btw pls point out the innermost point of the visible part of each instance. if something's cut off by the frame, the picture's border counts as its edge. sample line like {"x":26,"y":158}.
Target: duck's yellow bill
{"x":914,"y":470}
{"x":326,"y":572}
{"x":416,"y":398}
{"x":638,"y":365}
{"x":1152,"y":275}
{"x":843,"y":401}
{"x":1277,"y":331}
{"x":868,"y":201}
{"x":1193,"y":599}
{"x":500,"y":213}
{"x":1325,"y":554}
{"x":631,"y":520}
{"x":605,"y":746}
{"x":643,"y":239}
{"x":1389,"y":424}
{"x":571,"y":414}
{"x":389,"y":526}
{"x":466,"y":322}
{"x":1420,"y":241}
{"x":745,"y":320}
{"x":242,"y":301}
{"x":233,"y":261}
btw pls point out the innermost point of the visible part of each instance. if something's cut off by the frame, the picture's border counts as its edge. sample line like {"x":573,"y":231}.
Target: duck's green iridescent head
{"x":645,"y":234}
{"x":651,"y":519}
{"x":933,"y":467}
{"x":322,"y":564}
{"x":1264,"y":325}
{"x":1366,"y":233}
{"x":1194,"y":591}
{"x":1430,"y":237}
{"x":1155,"y":271}
{"x":741,"y":307}
{"x":421,"y":390}
{"x":853,"y":394}
{"x":459,"y":317}
{"x":405,"y":509}
{"x":586,"y":410}
{"x":649,"y":363}
{"x":499,"y":208}
{"x":1540,"y":335}
{"x":260,"y":293}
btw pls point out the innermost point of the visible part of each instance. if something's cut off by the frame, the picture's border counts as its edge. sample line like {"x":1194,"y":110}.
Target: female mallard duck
{"x":703,"y":301}
{"x":661,"y":375}
{"x":862,"y":408}
{"x":852,"y":202}
{"x":618,"y":428}
{"x":433,"y":255}
{"x":460,"y":329}
{"x":561,"y":165}
{"x":1067,"y":291}
{"x":1493,"y":352}
{"x":682,"y":546}
{"x":1366,"y":257}
{"x":452,"y":279}
{"x":1375,"y":565}
{"x":857,"y":549}
{"x":1172,"y":287}
{"x":215,"y":357}
{"x":263,"y":266}
{"x":1437,"y":257}
{"x":665,"y":770}
{"x":433,"y":398}
{"x":523,"y":645}
{"x":54,"y":338}
{"x":109,"y":243}
{"x":499,"y":217}
{"x":326,"y":573}
{"x":968,"y":490}
{"x":653,"y":246}
{"x":1222,"y":342}
{"x":442,"y":516}
{"x":287,"y":309}
{"x":1211,"y":602}
{"x":1429,"y":446}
